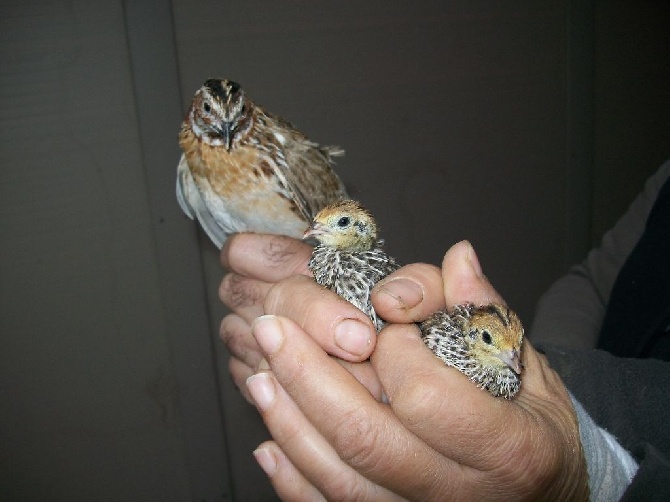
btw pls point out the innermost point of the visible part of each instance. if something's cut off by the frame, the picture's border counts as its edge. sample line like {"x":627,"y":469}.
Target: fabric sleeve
{"x":611,"y":468}
{"x":571,"y":311}
{"x":626,"y":399}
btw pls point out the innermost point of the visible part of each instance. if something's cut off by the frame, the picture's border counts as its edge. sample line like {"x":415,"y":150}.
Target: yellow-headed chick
{"x":349,"y":258}
{"x":484,"y":343}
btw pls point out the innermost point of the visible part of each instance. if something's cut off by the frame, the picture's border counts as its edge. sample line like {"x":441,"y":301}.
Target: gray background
{"x":525,"y":127}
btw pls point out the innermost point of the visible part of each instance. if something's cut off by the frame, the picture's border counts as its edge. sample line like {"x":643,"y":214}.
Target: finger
{"x":410,"y":294}
{"x":269,"y":258}
{"x":240,"y":372}
{"x":438,"y":403}
{"x":363,"y":372}
{"x":306,"y":448}
{"x":338,"y":327}
{"x":243,"y":295}
{"x":235,"y":333}
{"x":246,"y":357}
{"x":415,"y":291}
{"x":366,"y":376}
{"x":287,"y":481}
{"x":364,"y":433}
{"x":463,"y":278}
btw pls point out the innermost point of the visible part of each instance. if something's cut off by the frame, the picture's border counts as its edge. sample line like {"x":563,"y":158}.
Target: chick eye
{"x":343,"y":222}
{"x":486,"y":337}
{"x":206,"y":107}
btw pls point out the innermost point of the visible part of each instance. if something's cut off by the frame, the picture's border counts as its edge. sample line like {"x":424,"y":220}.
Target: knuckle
{"x":229,"y":331}
{"x":421,"y":398}
{"x":225,"y":330}
{"x":356,"y":439}
{"x":236,"y":335}
{"x":280,"y":251}
{"x":238,"y":292}
{"x":343,"y":486}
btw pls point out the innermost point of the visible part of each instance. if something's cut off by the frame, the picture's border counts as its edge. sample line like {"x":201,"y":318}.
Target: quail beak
{"x":314,"y":231}
{"x":512,"y":358}
{"x":226,"y":132}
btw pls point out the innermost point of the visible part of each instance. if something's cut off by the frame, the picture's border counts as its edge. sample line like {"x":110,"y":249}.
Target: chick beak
{"x":315,"y":230}
{"x":512,"y":359}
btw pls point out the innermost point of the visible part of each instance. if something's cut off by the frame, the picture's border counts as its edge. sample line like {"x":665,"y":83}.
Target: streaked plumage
{"x":246,"y":170}
{"x":484,"y":343}
{"x":349,"y":258}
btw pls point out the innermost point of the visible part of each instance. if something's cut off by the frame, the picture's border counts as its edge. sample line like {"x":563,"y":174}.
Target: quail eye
{"x":207,"y":107}
{"x":343,"y":222}
{"x":486,"y":337}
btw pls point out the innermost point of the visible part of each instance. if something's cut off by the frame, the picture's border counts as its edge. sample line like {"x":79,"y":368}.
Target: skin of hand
{"x":434,"y":434}
{"x":255,"y":263}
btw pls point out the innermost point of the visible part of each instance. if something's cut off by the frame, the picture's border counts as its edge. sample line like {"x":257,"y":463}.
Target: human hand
{"x":255,"y":262}
{"x":438,"y":437}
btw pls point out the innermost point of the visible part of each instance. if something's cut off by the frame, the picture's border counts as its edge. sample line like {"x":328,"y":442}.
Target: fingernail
{"x":472,"y":259}
{"x":268,"y":333}
{"x":263,"y":365}
{"x":406,"y":292}
{"x":262,"y":389}
{"x":266,"y":460}
{"x":352,"y":336}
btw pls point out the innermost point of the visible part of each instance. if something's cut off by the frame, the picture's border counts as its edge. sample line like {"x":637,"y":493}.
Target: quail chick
{"x":349,"y":258}
{"x":484,"y":343}
{"x":246,"y":170}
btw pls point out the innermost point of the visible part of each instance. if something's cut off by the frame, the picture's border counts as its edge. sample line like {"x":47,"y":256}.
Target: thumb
{"x":463,"y":278}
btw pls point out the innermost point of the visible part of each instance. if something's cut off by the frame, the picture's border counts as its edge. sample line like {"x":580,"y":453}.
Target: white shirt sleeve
{"x":611,"y":468}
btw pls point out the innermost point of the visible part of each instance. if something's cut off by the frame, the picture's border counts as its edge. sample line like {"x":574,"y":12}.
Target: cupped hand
{"x":439,"y":437}
{"x":255,"y":262}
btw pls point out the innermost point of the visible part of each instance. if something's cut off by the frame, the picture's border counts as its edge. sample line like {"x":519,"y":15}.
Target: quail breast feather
{"x":244,"y":169}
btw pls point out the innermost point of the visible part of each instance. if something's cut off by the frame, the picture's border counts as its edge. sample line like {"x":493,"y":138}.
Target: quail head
{"x":349,"y":258}
{"x":244,"y":169}
{"x":484,"y":343}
